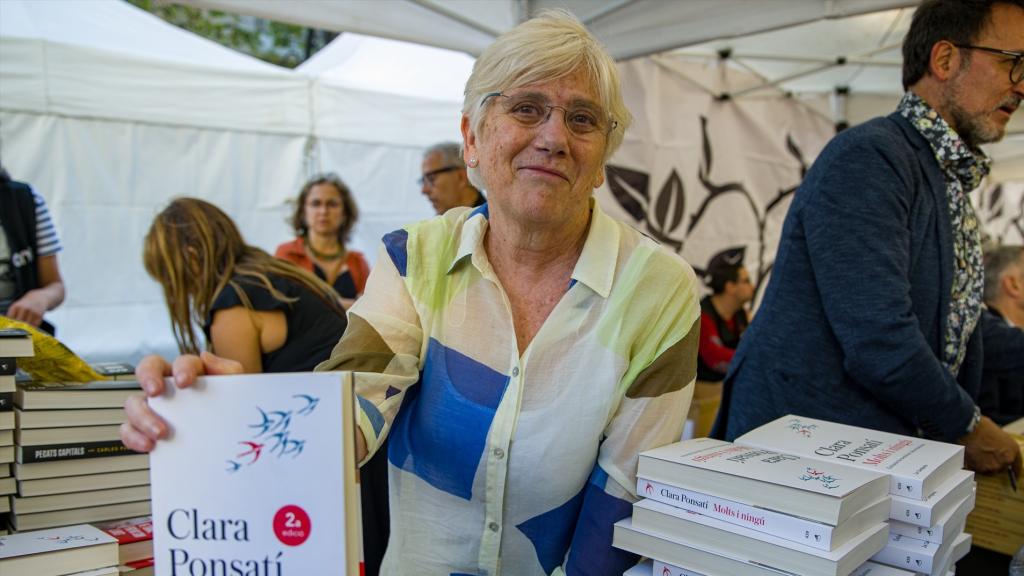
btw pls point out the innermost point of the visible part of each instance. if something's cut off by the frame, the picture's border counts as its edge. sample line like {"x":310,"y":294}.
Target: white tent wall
{"x":104,"y":182}
{"x":740,"y":157}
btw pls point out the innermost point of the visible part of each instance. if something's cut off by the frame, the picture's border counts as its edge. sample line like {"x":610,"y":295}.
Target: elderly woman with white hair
{"x":518,"y":356}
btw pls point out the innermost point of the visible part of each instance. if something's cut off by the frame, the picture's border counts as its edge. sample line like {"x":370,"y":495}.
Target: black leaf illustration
{"x":630,"y":189}
{"x":795,"y":151}
{"x":671,"y":202}
{"x":706,"y":165}
{"x":997,"y":195}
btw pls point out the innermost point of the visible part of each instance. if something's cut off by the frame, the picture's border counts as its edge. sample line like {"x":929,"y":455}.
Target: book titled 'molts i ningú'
{"x":917,"y":467}
{"x":272,"y":457}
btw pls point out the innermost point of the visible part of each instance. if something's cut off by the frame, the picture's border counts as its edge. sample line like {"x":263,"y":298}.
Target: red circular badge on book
{"x":291,"y":525}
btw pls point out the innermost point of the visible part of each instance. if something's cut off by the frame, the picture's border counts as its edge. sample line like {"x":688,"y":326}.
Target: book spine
{"x":906,"y":487}
{"x":916,"y":512}
{"x":900,"y":552}
{"x":8,"y":366}
{"x":665,"y":569}
{"x":926,"y":533}
{"x":795,"y":529}
{"x":58,"y":452}
{"x":6,"y":401}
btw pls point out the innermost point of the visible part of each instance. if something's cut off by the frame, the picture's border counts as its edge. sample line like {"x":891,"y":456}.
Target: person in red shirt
{"x":723,"y":316}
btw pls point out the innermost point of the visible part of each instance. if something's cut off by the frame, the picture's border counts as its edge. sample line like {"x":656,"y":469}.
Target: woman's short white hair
{"x":550,"y":46}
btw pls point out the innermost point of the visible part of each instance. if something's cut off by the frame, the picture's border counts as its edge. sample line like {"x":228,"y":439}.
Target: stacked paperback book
{"x":14,"y":344}
{"x":80,"y":550}
{"x":801,"y":496}
{"x":70,"y":465}
{"x":134,"y":544}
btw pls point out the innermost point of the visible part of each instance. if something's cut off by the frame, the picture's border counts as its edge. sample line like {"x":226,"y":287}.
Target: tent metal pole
{"x":671,"y":66}
{"x":452,"y":15}
{"x":606,"y":10}
{"x":778,"y":81}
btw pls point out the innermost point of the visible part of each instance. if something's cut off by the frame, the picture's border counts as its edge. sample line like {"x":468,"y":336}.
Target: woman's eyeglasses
{"x":531,"y":111}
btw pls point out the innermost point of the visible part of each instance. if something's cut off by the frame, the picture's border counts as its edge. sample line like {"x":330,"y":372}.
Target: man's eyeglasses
{"x":531,"y":111}
{"x":429,"y":177}
{"x":1016,"y":70}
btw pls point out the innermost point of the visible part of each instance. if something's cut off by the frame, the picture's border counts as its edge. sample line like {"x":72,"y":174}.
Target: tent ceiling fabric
{"x":629,"y":28}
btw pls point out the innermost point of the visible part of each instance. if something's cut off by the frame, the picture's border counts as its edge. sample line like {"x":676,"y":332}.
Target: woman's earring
{"x":473,"y":162}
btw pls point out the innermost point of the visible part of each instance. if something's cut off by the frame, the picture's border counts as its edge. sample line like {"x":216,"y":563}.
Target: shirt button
{"x":499,"y":452}
{"x":515,"y":372}
{"x":493,"y":526}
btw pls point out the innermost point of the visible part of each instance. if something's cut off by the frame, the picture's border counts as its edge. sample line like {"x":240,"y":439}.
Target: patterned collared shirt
{"x":501,"y":463}
{"x":963,"y":168}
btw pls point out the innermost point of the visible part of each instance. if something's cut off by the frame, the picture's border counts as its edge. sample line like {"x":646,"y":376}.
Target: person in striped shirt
{"x":517,"y":356}
{"x":30,"y":280}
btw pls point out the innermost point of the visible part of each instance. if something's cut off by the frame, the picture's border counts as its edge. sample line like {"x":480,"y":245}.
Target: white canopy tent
{"x":109,"y":112}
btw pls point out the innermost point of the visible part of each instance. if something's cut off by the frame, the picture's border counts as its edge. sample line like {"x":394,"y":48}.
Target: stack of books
{"x":14,"y":344}
{"x":78,"y":549}
{"x":134,"y":544}
{"x":997,"y":522}
{"x":713,"y":507}
{"x":931,"y":493}
{"x":71,"y":466}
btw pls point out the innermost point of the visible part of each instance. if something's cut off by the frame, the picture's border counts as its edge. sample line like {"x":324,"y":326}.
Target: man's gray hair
{"x":998,"y":262}
{"x":451,"y":153}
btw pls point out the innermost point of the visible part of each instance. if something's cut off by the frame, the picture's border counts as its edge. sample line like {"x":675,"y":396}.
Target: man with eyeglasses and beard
{"x":444,"y":181}
{"x":871,"y":314}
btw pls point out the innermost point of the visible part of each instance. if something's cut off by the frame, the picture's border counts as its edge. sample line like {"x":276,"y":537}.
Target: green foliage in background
{"x":286,"y":45}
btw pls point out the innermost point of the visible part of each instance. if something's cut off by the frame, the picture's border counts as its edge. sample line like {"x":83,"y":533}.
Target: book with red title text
{"x":786,"y":483}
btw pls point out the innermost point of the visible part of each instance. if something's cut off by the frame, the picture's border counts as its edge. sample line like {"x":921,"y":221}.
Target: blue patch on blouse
{"x":441,"y":429}
{"x":551,"y":532}
{"x":376,"y":418}
{"x":481,"y":209}
{"x":395,"y":243}
{"x":591,"y":550}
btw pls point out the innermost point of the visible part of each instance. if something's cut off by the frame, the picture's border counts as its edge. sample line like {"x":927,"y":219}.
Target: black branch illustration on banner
{"x":631,"y":190}
{"x":664,"y":216}
{"x":714,"y":190}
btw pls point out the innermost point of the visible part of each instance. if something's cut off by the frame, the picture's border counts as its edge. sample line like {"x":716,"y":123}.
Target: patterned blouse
{"x":509,"y":463}
{"x":964,"y":168}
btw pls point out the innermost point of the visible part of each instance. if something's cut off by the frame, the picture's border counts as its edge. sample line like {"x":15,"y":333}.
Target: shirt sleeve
{"x":650,"y":414}
{"x":712,"y":352}
{"x":47,"y":241}
{"x":382,"y":346}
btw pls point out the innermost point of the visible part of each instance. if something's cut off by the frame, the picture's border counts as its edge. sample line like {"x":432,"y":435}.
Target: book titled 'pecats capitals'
{"x":257,"y":477}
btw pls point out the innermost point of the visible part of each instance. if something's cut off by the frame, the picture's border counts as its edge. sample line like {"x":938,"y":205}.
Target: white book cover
{"x":941,"y":530}
{"x":764,"y":549}
{"x":786,"y":483}
{"x":943,"y":499}
{"x":53,"y":540}
{"x":271,"y":454}
{"x":947,"y":562}
{"x":916,"y":465}
{"x":808,"y":532}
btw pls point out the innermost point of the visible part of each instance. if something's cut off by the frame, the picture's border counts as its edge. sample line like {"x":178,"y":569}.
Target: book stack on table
{"x":801,"y":496}
{"x":134,"y":544}
{"x":14,"y":344}
{"x":931,"y":493}
{"x":713,"y":507}
{"x":71,"y":466}
{"x":997,"y":522}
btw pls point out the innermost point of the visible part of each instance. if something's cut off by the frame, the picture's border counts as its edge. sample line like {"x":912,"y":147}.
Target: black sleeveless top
{"x":313,"y":327}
